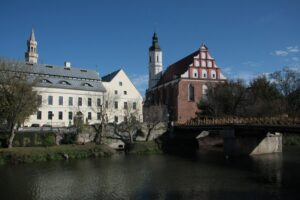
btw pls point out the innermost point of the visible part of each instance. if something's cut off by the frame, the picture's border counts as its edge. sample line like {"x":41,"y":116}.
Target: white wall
{"x":65,"y":108}
{"x":132,"y":95}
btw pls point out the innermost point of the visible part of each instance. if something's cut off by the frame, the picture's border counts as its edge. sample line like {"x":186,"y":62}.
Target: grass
{"x":17,"y":155}
{"x":145,"y":148}
{"x":291,"y":140}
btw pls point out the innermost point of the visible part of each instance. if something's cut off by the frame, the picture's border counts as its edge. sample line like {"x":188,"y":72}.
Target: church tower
{"x":31,"y":55}
{"x":155,"y":62}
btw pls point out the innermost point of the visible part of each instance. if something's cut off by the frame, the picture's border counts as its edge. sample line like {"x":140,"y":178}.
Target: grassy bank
{"x":291,"y":140}
{"x":144,"y":148}
{"x":62,"y":152}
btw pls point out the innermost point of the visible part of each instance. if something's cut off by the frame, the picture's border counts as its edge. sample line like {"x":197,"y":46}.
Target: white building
{"x":122,"y":99}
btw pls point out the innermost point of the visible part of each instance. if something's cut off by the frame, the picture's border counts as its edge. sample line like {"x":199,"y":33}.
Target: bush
{"x":48,"y":140}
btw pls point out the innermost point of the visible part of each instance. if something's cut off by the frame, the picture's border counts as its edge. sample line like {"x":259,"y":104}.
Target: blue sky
{"x":246,"y":37}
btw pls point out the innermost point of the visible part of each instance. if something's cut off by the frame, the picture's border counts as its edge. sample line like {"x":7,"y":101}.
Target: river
{"x":203,"y":176}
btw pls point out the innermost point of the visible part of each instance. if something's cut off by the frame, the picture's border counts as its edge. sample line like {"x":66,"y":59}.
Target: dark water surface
{"x":204,"y":176}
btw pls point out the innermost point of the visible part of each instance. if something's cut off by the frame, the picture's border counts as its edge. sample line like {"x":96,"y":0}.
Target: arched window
{"x":204,"y":73}
{"x":191,"y":93}
{"x":213,"y":74}
{"x":195,"y":73}
{"x":157,"y":58}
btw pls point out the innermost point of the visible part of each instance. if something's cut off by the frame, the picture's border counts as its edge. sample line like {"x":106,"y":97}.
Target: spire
{"x":32,"y":37}
{"x":155,"y":45}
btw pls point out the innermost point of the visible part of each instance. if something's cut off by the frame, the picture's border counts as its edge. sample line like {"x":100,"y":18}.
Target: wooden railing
{"x":288,"y":121}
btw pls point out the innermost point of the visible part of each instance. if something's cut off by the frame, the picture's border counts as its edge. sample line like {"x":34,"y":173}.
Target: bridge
{"x":238,"y":136}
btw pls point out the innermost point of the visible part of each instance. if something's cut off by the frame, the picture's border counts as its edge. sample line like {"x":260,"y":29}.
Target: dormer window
{"x":65,"y":83}
{"x":87,"y":85}
{"x":46,"y":81}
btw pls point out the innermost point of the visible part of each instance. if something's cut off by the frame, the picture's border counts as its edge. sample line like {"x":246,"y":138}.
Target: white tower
{"x":31,"y":55}
{"x":155,"y":62}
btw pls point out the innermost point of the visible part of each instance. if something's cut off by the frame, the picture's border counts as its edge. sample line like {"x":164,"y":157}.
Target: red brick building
{"x":175,"y":92}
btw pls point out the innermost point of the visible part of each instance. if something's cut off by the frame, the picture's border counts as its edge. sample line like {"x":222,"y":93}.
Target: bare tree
{"x":18,"y":100}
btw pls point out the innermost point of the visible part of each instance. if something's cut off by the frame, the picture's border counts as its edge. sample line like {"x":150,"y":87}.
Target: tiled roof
{"x":177,"y":68}
{"x":61,"y":77}
{"x":109,"y":77}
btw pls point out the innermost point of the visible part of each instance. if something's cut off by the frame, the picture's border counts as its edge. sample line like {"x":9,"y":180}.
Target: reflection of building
{"x":64,"y":90}
{"x":178,"y":90}
{"x":122,"y":99}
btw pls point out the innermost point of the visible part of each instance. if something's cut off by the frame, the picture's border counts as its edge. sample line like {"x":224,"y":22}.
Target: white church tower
{"x":155,"y":62}
{"x":31,"y":55}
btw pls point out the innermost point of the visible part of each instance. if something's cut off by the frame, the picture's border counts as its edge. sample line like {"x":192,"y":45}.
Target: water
{"x":204,"y":176}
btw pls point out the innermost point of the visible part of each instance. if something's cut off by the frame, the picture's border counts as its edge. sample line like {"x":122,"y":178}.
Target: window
{"x":213,"y":74}
{"x":50,"y":115}
{"x":98,"y":102}
{"x":204,"y":73}
{"x":191,"y":95}
{"x":195,"y":73}
{"x":125,"y":105}
{"x":157,"y":60}
{"x":125,"y":92}
{"x":134,"y":106}
{"x":116,"y":91}
{"x":89,"y":115}
{"x":98,"y":115}
{"x":204,"y":91}
{"x":70,"y":101}
{"x":60,"y":100}
{"x":120,"y":83}
{"x":89,"y":101}
{"x":50,"y":100}
{"x":116,"y":119}
{"x":60,"y":115}
{"x":116,"y":105}
{"x":70,"y":115}
{"x":39,"y":115}
{"x":106,"y":104}
{"x":79,"y":101}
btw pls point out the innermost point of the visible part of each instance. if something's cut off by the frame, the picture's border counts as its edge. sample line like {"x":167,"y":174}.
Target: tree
{"x":223,"y":99}
{"x":18,"y":100}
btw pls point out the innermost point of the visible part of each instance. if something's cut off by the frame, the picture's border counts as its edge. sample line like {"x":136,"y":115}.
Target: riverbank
{"x":17,"y":155}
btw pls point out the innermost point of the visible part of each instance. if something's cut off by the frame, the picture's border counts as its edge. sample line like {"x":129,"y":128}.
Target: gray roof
{"x":61,"y":77}
{"x":109,"y":77}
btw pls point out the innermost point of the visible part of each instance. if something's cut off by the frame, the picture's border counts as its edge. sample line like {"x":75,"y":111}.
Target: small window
{"x":89,"y":101}
{"x":116,"y":105}
{"x":50,"y":100}
{"x":98,"y":102}
{"x":191,"y":94}
{"x":60,"y":100}
{"x":60,"y":115}
{"x":116,"y":119}
{"x":98,"y":115}
{"x":39,"y":115}
{"x":45,"y":81}
{"x":89,"y":115}
{"x":106,"y":104}
{"x":70,"y":101}
{"x":157,"y":58}
{"x":50,"y":115}
{"x":125,"y":105}
{"x":79,"y":101}
{"x":134,"y":106}
{"x":120,"y":83}
{"x":116,"y":91}
{"x":70,"y":115}
{"x":125,"y":92}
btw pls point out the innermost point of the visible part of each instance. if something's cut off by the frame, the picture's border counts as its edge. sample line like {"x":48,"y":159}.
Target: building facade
{"x":122,"y":100}
{"x":175,"y":94}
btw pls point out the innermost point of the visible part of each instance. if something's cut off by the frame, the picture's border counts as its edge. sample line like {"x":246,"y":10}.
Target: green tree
{"x":18,"y":100}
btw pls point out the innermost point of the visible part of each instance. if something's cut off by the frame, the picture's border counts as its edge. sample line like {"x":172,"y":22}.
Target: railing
{"x":287,"y":121}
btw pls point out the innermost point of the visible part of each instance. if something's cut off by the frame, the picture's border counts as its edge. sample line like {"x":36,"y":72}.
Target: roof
{"x":177,"y":68}
{"x":60,"y":76}
{"x":32,"y":36}
{"x":109,"y":77}
{"x":155,"y":46}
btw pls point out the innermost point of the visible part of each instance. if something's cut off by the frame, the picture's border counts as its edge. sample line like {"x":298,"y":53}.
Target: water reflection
{"x":205,"y":176}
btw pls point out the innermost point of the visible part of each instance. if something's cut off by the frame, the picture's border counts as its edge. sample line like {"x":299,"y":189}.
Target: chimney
{"x":67,"y":64}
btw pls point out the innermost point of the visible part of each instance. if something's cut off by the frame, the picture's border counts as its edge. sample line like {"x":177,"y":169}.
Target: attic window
{"x":45,"y":81}
{"x":49,"y":66}
{"x":83,"y":70}
{"x":65,"y":83}
{"x":87,"y":85}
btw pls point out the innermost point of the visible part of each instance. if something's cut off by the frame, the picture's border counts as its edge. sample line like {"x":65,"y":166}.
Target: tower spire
{"x":31,"y":54}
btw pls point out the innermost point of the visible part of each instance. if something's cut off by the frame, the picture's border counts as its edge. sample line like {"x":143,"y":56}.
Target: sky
{"x":246,"y":37}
